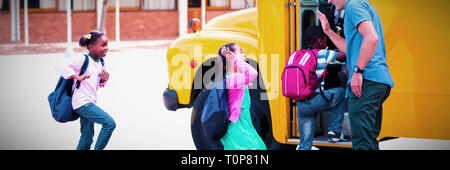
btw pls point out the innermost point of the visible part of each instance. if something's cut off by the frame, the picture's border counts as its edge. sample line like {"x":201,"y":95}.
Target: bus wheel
{"x":201,"y":141}
{"x":260,"y":113}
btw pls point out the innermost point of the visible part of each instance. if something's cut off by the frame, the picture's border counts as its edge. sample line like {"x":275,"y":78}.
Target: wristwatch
{"x":356,"y":69}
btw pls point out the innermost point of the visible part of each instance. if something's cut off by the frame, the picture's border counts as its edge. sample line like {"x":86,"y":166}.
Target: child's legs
{"x":306,"y":128}
{"x":307,"y":117}
{"x":95,"y":114}
{"x":87,"y":134}
{"x":339,"y":104}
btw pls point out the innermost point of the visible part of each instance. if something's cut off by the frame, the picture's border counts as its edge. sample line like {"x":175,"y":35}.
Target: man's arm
{"x":367,"y":50}
{"x":335,"y":38}
{"x":368,"y":45}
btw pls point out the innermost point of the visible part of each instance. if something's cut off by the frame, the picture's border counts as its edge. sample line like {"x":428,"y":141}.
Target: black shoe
{"x":334,"y":137}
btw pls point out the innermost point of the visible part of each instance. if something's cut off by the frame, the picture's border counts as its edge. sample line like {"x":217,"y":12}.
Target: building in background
{"x":139,"y":19}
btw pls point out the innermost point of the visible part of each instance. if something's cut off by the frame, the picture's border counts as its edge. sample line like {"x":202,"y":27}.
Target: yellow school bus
{"x":417,"y":34}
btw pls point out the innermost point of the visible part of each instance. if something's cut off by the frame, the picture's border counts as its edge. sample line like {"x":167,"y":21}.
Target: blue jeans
{"x":308,"y":110}
{"x":90,"y":114}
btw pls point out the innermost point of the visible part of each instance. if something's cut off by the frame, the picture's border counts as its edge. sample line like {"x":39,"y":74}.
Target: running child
{"x":84,"y":98}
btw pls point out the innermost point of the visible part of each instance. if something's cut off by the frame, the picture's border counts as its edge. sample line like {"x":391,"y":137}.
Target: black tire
{"x":201,"y":141}
{"x":260,"y":113}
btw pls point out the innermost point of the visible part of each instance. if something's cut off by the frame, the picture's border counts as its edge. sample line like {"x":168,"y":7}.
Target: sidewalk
{"x":60,"y":47}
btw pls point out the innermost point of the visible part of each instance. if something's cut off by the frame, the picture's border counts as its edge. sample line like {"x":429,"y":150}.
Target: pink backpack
{"x":299,"y":79}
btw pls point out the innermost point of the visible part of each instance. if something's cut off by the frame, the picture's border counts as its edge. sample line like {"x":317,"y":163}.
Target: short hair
{"x":312,"y":34}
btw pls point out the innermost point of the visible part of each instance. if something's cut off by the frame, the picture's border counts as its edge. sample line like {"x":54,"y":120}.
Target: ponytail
{"x":90,"y":38}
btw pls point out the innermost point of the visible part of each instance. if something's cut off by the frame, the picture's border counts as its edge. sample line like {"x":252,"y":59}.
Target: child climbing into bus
{"x":321,"y":100}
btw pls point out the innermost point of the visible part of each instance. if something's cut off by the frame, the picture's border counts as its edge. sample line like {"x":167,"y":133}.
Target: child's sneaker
{"x":334,"y":137}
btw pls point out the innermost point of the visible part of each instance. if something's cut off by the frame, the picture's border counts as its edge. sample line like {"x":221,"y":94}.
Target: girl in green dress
{"x":241,"y":134}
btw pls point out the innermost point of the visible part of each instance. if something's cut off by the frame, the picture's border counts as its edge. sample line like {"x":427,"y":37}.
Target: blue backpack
{"x":215,"y":112}
{"x":61,"y":99}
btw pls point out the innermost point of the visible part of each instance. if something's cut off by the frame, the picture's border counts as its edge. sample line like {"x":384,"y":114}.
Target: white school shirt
{"x":87,"y":92}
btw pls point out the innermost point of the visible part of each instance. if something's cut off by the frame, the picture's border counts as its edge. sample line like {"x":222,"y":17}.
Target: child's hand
{"x":82,"y":77}
{"x":104,"y":75}
{"x":227,"y":53}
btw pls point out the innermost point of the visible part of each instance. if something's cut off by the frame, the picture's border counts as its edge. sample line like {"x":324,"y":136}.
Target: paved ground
{"x":60,"y":47}
{"x":133,"y":97}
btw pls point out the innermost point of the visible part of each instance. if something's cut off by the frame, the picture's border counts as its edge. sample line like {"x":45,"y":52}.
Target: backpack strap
{"x":321,"y":78}
{"x":323,"y":95}
{"x":101,"y":61}
{"x":83,"y":68}
{"x":225,"y":98}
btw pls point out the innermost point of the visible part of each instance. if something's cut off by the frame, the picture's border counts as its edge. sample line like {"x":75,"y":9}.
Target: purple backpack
{"x":299,"y":79}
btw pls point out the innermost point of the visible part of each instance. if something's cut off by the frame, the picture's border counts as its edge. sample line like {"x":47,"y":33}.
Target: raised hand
{"x":324,"y":21}
{"x":225,"y":51}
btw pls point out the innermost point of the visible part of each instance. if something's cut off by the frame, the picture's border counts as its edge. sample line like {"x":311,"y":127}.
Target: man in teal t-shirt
{"x":370,"y":82}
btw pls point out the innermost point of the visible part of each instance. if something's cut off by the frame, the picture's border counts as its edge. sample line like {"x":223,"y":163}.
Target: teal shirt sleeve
{"x":358,"y":12}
